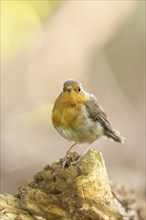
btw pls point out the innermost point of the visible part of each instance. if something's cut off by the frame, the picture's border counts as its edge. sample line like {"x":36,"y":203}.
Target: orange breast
{"x":68,"y":110}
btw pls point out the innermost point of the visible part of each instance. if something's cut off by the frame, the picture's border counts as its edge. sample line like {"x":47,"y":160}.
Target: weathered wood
{"x":78,"y":191}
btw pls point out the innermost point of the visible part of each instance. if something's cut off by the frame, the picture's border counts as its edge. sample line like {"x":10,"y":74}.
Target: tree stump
{"x":80,"y":190}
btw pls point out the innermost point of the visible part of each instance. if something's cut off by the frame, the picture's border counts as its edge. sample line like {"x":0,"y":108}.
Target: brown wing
{"x":96,"y":113}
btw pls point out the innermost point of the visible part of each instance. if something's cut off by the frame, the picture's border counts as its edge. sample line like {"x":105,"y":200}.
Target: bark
{"x":78,"y":190}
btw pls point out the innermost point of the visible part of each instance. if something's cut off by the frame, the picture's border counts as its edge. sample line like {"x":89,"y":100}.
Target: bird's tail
{"x":115,"y":135}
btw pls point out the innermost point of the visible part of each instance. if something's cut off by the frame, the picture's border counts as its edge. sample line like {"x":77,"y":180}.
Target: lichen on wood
{"x":80,"y":190}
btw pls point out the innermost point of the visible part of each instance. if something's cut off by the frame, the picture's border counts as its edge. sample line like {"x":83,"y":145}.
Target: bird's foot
{"x":71,"y":159}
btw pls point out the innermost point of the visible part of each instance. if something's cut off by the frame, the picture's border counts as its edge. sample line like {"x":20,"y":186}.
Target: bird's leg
{"x":68,"y":151}
{"x":79,"y":159}
{"x":88,"y":147}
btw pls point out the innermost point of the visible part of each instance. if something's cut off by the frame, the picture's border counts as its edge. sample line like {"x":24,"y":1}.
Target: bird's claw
{"x":69,"y":160}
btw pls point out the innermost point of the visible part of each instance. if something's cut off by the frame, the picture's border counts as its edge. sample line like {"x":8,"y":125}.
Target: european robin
{"x":78,"y":117}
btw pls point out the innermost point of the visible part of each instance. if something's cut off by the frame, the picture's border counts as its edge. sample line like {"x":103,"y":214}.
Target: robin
{"x":78,"y":117}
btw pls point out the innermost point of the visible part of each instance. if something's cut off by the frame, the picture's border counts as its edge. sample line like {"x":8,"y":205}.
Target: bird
{"x":78,"y":117}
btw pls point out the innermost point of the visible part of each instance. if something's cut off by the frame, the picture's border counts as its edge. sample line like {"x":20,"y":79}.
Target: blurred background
{"x":44,"y":43}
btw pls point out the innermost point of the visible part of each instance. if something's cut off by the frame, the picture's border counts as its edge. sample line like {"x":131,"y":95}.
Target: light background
{"x":44,"y":43}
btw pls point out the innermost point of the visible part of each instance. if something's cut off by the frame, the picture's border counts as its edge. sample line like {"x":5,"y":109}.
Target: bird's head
{"x":72,"y":86}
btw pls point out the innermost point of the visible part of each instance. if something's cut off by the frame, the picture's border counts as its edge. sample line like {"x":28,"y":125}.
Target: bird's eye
{"x":79,"y":89}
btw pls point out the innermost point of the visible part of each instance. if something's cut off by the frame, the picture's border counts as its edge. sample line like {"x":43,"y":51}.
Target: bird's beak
{"x":69,"y":89}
